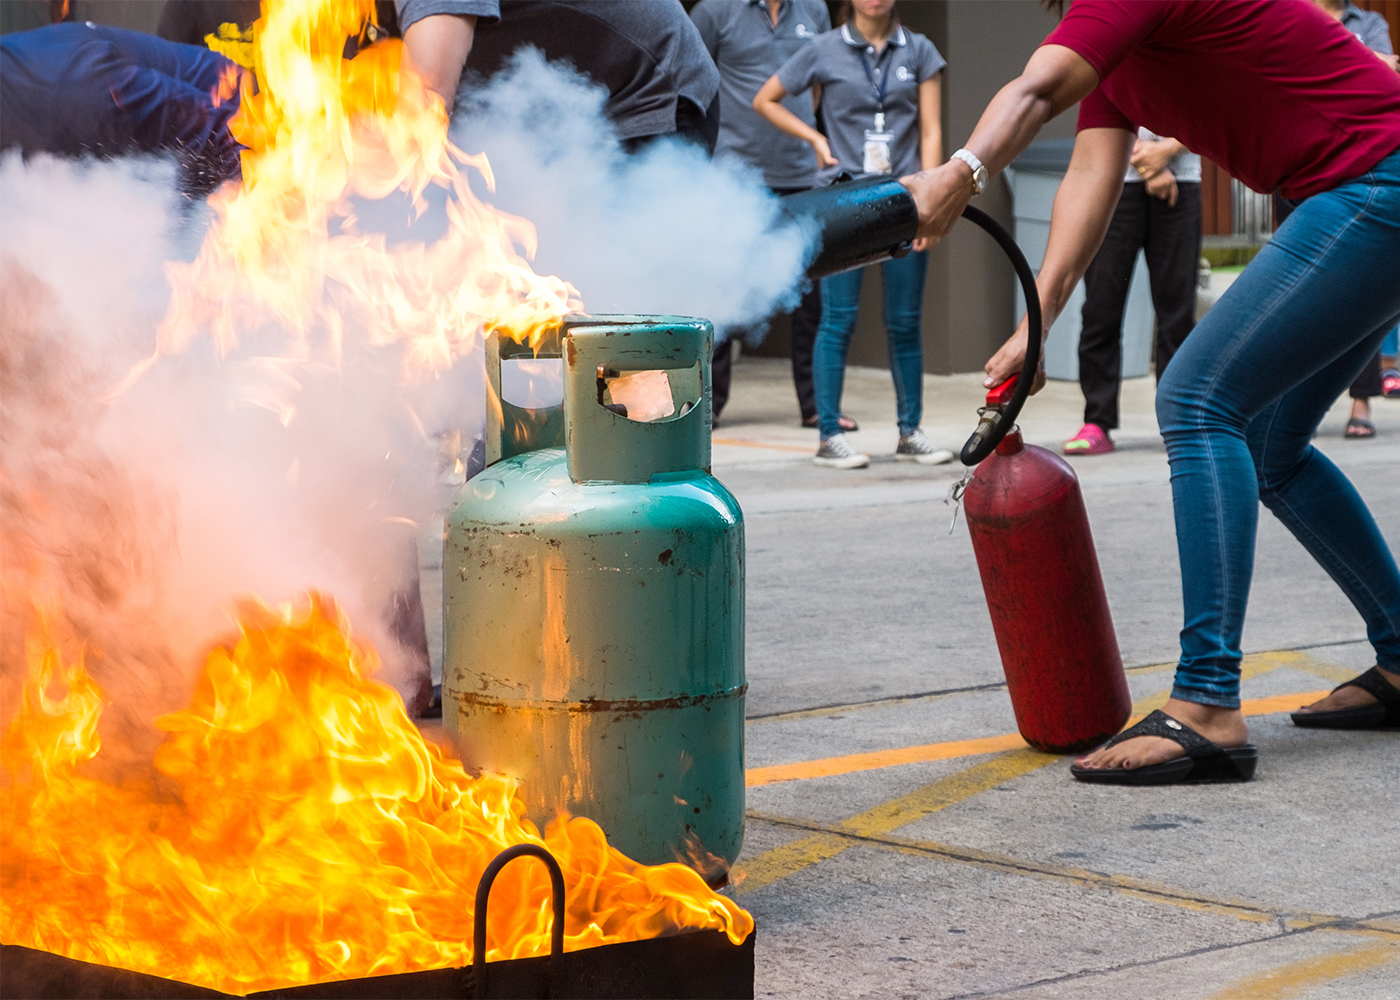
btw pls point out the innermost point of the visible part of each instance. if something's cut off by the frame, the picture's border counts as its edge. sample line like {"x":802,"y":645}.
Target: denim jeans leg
{"x":1305,"y":491}
{"x":840,"y":306}
{"x":904,"y":300}
{"x":1288,"y":323}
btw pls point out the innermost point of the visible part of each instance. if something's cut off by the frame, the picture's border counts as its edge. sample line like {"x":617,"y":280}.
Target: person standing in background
{"x":1159,"y":212}
{"x":880,"y":101}
{"x":1380,"y":377}
{"x":749,"y":40}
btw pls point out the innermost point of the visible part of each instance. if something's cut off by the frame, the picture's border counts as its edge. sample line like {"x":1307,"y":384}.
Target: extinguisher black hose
{"x":979,"y":446}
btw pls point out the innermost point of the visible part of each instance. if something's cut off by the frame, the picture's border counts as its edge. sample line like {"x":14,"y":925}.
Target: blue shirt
{"x":86,"y":89}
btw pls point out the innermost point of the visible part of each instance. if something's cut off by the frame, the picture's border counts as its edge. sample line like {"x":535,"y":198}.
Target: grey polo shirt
{"x":646,"y":52}
{"x":837,"y":60}
{"x":748,"y":48}
{"x":488,"y":11}
{"x":1369,"y":27}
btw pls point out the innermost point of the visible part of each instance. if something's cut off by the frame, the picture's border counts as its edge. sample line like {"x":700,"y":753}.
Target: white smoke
{"x":664,"y":231}
{"x":143,"y":517}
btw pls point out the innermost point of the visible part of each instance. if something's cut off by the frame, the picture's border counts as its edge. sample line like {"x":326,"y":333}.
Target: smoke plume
{"x":130,"y":523}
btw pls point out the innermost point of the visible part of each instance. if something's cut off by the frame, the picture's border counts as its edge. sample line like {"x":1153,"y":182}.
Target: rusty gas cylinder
{"x":594,"y":597}
{"x":1030,"y":533}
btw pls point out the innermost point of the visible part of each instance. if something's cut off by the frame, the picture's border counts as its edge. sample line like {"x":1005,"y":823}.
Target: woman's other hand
{"x":823,"y":150}
{"x":921,"y":244}
{"x":1162,"y":185}
{"x":1011,"y":358}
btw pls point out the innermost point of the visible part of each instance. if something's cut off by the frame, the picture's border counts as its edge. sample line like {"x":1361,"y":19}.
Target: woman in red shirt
{"x":1287,"y":100}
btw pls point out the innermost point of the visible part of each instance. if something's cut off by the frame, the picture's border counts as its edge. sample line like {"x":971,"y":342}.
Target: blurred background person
{"x":880,"y":103}
{"x":749,"y":40}
{"x":1158,"y":212}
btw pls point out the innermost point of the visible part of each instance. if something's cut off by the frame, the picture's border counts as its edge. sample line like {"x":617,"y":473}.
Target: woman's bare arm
{"x":1054,"y":79}
{"x":931,"y":122}
{"x":1084,"y":205}
{"x":768,"y":103}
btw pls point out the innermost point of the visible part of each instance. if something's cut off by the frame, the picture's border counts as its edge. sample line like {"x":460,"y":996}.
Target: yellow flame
{"x":315,"y":834}
{"x":285,"y":246}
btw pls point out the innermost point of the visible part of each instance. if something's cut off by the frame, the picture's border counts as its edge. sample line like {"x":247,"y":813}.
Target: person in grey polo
{"x":880,"y":102}
{"x":749,"y":40}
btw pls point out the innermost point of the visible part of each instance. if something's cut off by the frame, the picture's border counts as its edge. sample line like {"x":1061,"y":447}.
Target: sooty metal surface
{"x":699,"y":964}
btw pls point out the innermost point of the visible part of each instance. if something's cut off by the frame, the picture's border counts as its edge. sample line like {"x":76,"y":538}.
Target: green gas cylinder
{"x":593,"y":583}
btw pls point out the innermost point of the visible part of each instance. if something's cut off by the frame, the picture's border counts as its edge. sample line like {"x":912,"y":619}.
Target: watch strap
{"x":979,"y":171}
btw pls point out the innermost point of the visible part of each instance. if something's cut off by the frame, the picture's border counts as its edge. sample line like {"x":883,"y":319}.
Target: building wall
{"x":968,"y":298}
{"x":138,"y":15}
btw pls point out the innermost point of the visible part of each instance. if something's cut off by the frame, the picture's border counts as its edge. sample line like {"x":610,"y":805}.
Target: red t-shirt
{"x":1275,"y":91}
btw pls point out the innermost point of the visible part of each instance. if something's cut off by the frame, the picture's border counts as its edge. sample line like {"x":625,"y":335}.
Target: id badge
{"x":877,"y":152}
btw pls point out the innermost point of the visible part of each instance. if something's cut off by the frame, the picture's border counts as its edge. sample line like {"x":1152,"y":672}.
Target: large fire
{"x":297,"y":827}
{"x":286,"y":246}
{"x":310,"y":832}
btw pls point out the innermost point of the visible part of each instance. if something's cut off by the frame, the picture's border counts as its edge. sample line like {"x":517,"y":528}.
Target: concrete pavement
{"x":901,"y":844}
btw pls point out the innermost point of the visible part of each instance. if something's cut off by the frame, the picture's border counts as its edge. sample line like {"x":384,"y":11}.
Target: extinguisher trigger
{"x":955,"y":495}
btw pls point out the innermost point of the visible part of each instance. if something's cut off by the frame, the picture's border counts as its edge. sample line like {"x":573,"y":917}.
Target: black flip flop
{"x":1204,"y":761}
{"x":1385,"y":712}
{"x":1358,"y":428}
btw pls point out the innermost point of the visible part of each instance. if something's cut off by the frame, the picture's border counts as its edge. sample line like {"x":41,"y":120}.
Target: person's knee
{"x":1278,"y":458}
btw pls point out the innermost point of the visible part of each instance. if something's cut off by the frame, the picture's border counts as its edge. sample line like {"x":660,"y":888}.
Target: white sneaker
{"x":914,"y":447}
{"x":836,"y":453}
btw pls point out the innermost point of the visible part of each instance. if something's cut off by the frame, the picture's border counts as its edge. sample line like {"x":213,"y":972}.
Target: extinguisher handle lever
{"x":999,"y":415}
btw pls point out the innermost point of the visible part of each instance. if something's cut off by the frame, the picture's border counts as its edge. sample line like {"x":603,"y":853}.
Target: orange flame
{"x":285,"y":244}
{"x":316,"y":834}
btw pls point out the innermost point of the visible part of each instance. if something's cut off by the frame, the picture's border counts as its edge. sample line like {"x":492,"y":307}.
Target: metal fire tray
{"x":698,"y":964}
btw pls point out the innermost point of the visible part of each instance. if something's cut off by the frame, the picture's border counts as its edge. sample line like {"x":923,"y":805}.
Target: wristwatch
{"x":979,"y":172}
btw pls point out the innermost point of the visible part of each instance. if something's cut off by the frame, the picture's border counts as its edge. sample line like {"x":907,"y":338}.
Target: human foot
{"x":1223,"y":726}
{"x":1091,"y":440}
{"x":1352,"y":695}
{"x":1364,"y":702}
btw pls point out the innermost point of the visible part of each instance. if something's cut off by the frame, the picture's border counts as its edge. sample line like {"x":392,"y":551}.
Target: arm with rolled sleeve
{"x":437,"y":38}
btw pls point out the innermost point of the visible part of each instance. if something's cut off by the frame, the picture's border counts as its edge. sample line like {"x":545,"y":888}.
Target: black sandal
{"x":1204,"y":760}
{"x":1385,"y":712}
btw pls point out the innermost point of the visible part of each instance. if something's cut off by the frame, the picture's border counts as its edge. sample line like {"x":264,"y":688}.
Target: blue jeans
{"x":1238,"y":408}
{"x":904,"y":296}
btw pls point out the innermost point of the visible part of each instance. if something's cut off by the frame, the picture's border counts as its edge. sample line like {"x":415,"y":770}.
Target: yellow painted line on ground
{"x":792,"y":857}
{"x":736,"y":442}
{"x":1297,"y":978}
{"x":876,"y":759}
{"x":1155,"y":892}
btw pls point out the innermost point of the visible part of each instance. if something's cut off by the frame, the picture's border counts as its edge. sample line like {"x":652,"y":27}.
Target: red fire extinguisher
{"x":1031,"y":536}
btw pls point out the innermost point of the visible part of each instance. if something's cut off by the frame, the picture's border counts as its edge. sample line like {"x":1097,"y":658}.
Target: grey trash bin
{"x":1034,"y":177}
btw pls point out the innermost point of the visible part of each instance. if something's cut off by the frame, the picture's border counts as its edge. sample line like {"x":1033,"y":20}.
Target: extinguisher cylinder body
{"x":1030,"y":533}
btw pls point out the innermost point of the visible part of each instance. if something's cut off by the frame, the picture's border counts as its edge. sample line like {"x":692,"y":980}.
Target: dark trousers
{"x":1170,"y":235}
{"x":805,"y":320}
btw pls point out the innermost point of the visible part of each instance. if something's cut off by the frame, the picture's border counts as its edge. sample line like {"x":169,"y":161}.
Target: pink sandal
{"x":1091,"y":440}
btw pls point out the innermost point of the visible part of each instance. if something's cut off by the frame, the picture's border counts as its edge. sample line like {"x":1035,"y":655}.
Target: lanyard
{"x":880,"y":88}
